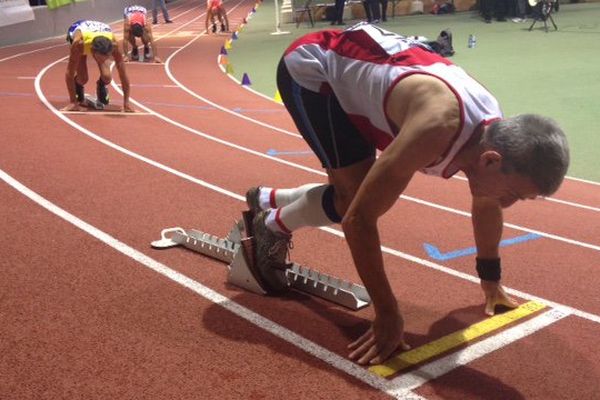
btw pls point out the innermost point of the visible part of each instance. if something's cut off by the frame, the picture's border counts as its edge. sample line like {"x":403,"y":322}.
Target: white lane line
{"x":289,"y":336}
{"x":414,"y":259}
{"x":26,"y":77}
{"x":584,"y":180}
{"x":435,"y":369}
{"x":506,"y":224}
{"x":572,"y":204}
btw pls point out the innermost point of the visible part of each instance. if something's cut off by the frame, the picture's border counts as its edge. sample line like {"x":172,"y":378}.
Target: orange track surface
{"x":79,"y":319}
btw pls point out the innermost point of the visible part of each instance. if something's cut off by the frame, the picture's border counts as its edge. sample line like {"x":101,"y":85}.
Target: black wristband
{"x":489,"y":269}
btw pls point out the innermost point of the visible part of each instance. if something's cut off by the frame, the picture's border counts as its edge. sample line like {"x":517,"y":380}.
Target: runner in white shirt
{"x":354,"y":91}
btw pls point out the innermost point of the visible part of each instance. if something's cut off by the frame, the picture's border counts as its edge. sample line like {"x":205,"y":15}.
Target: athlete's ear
{"x":490,"y":159}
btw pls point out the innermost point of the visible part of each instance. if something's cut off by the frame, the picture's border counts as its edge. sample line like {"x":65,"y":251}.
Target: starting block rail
{"x":231,"y":250}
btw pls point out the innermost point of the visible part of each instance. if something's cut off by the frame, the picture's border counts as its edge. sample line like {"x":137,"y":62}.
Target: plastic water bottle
{"x":472,"y":41}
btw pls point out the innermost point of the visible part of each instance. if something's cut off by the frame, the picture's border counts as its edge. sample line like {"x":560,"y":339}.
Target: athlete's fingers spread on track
{"x":358,"y":342}
{"x":128,"y":108}
{"x":125,"y":59}
{"x":384,"y":337}
{"x":365,"y":352}
{"x":71,"y":107}
{"x":157,"y":60}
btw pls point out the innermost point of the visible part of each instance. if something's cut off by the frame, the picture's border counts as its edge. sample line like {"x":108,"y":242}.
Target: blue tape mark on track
{"x":436,"y":254}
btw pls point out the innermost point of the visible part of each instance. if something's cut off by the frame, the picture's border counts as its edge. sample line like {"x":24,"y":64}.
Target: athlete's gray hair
{"x":533,"y":146}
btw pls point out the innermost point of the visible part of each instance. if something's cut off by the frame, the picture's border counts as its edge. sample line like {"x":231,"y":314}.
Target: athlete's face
{"x":487,"y":180}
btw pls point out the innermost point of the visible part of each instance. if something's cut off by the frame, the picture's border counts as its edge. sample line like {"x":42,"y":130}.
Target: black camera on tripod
{"x":542,"y":11}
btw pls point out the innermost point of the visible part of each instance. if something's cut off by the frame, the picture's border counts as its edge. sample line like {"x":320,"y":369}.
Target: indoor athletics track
{"x":88,"y":310}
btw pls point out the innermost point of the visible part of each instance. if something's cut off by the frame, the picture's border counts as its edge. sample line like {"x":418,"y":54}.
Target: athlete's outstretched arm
{"x":120,"y":64}
{"x":427,"y":113}
{"x":487,"y":218}
{"x":150,"y":38}
{"x":75,"y":53}
{"x":126,"y":39}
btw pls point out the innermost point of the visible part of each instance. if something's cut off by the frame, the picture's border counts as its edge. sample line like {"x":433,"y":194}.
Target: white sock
{"x":274,"y":198}
{"x":306,"y":210}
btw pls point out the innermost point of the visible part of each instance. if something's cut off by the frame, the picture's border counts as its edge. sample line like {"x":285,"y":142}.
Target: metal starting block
{"x":233,"y":250}
{"x":92,"y":102}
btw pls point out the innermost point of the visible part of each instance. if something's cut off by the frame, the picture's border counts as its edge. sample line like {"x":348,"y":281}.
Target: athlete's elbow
{"x":354,"y":223}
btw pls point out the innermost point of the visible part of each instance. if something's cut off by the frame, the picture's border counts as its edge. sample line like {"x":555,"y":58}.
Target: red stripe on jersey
{"x":461,"y":110}
{"x":272,"y":199}
{"x":321,"y":38}
{"x":447,"y":172}
{"x":280,"y":222}
{"x":359,"y":45}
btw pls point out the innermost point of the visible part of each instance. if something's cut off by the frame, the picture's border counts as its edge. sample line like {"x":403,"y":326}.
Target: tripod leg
{"x":552,"y":20}
{"x":532,"y":24}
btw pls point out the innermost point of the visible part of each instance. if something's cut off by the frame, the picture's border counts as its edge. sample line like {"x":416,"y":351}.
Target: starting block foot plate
{"x":237,"y":249}
{"x":92,"y":102}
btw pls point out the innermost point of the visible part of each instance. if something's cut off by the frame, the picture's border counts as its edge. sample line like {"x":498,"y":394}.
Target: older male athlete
{"x":352,"y":92}
{"x":135,"y":25}
{"x":95,"y":39}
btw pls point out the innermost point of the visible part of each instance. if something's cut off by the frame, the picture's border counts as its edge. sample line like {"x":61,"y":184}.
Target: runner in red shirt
{"x":215,"y":10}
{"x":135,"y":25}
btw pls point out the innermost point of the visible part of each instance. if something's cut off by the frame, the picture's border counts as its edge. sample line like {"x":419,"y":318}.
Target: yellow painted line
{"x":453,"y":340}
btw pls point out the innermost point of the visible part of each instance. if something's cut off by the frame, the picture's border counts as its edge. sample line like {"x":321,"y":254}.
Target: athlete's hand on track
{"x":496,"y":296}
{"x":157,"y":60}
{"x":385,"y":336}
{"x":128,"y":108}
{"x":71,"y":107}
{"x":125,"y":59}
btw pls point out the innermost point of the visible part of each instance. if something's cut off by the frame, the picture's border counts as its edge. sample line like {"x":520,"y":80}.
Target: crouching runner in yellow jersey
{"x":93,"y":38}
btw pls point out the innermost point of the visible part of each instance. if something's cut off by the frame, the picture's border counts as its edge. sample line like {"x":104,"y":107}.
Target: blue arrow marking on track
{"x":436,"y":254}
{"x":275,"y":153}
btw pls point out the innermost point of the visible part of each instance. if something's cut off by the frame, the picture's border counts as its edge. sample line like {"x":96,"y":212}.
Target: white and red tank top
{"x":214,"y":4}
{"x":135,"y":15}
{"x":362,"y":64}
